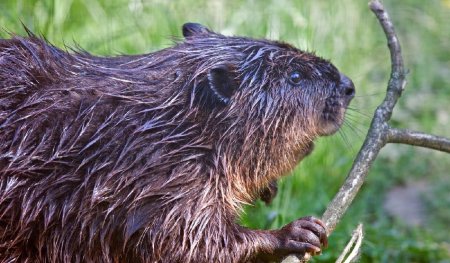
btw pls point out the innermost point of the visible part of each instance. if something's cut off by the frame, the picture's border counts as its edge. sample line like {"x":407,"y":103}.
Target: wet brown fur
{"x":135,"y":159}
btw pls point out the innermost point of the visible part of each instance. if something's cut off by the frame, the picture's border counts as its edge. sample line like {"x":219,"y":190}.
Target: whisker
{"x":358,"y":131}
{"x":357,"y":120}
{"x":359,"y":112}
{"x":370,"y":95}
{"x":345,"y":139}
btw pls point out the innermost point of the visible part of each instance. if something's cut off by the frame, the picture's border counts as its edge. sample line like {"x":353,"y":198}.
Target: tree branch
{"x":379,"y":133}
{"x":418,"y":139}
{"x":377,"y":136}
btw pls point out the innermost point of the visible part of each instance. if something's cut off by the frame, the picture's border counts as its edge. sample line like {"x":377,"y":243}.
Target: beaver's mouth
{"x":332,"y":117}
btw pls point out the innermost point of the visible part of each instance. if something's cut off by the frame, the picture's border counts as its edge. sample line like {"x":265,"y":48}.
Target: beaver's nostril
{"x":349,"y":91}
{"x":347,"y":87}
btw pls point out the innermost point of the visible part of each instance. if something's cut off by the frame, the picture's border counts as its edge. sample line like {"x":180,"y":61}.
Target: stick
{"x":379,"y":133}
{"x":355,"y":243}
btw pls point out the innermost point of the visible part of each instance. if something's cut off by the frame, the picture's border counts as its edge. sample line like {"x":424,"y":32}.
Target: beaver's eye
{"x":294,"y":78}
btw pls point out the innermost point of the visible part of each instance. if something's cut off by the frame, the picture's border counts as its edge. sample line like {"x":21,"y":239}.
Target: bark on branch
{"x":380,"y":132}
{"x":419,"y":139}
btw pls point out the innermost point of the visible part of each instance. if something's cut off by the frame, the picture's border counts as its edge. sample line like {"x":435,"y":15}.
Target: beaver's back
{"x":75,"y":131}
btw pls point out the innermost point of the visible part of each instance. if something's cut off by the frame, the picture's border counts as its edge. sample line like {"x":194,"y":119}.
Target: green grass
{"x":343,"y":31}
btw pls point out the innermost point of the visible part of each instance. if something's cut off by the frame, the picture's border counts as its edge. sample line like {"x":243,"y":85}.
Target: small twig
{"x":418,"y":139}
{"x":355,"y":243}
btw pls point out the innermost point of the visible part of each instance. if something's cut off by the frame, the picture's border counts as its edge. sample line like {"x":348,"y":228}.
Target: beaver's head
{"x":267,"y":85}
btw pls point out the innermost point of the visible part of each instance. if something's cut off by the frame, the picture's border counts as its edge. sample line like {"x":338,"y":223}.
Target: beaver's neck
{"x":255,"y":161}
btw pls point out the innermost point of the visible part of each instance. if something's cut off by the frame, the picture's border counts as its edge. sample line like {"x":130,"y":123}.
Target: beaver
{"x":150,"y":158}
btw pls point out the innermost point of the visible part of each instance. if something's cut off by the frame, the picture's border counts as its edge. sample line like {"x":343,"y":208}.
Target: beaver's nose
{"x":346,"y":87}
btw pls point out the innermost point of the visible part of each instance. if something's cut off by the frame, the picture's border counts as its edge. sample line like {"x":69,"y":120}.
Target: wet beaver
{"x":149,"y":158}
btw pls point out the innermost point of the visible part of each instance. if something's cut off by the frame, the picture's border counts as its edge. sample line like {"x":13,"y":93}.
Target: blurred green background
{"x":344,"y":31}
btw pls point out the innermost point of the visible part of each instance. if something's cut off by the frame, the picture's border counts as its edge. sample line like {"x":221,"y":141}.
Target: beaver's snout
{"x":346,"y":89}
{"x":335,"y":105}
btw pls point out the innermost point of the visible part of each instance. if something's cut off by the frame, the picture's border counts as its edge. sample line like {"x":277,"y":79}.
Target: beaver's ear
{"x":195,"y":29}
{"x":222,"y":83}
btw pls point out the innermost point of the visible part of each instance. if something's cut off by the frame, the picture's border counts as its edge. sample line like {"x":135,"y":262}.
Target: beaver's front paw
{"x":305,"y":235}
